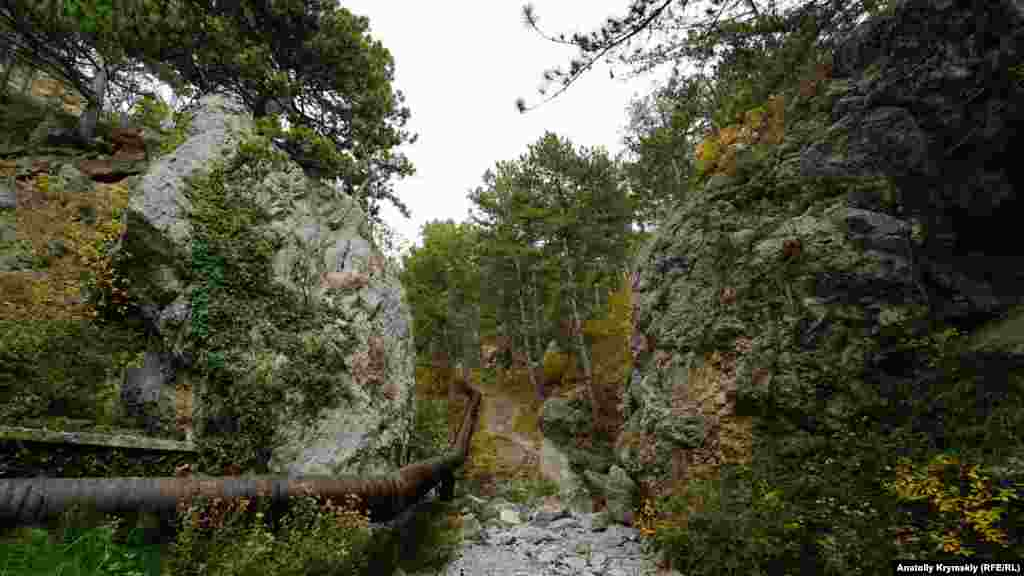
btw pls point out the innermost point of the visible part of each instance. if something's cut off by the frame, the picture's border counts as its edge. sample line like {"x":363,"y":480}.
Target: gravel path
{"x":545,"y":540}
{"x":500,"y":412}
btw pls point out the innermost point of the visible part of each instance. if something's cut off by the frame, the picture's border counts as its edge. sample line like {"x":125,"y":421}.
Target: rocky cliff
{"x":848,"y":290}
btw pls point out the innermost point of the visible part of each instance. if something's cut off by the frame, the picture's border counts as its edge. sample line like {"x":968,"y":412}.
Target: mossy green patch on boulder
{"x":561,"y":418}
{"x":1002,"y":336}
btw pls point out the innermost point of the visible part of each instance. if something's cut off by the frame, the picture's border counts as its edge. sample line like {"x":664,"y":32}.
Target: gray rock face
{"x":796,"y":302}
{"x":941,"y":133}
{"x":556,"y":466}
{"x":562,"y":460}
{"x":147,"y":395}
{"x":214,"y":130}
{"x":8,"y":195}
{"x":619,"y":491}
{"x":559,"y":417}
{"x":324,"y":258}
{"x":882,"y":141}
{"x":383,"y":358}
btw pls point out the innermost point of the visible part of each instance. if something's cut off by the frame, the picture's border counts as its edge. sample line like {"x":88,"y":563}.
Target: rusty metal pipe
{"x":30,"y":500}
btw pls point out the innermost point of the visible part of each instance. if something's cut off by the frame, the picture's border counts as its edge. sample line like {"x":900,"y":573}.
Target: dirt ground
{"x":514,"y":450}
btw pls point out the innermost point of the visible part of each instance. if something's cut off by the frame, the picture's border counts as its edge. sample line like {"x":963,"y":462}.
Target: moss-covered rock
{"x":837,"y":305}
{"x":216,"y":288}
{"x":238,"y":265}
{"x":619,"y":491}
{"x":560,"y":418}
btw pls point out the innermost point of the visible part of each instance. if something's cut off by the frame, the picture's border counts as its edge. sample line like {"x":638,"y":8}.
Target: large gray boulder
{"x":8,"y":194}
{"x":563,"y":460}
{"x":146,"y":398}
{"x":556,"y":467}
{"x":324,"y":259}
{"x":619,"y":492}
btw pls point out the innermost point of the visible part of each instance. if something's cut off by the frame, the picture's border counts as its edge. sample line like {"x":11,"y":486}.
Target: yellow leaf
{"x":729,"y":134}
{"x":755,"y":117}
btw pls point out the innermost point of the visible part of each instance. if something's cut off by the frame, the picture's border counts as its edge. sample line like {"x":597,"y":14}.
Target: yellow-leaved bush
{"x":75,"y":256}
{"x":484,"y":468}
{"x":763,"y":125}
{"x":961,"y":500}
{"x":612,"y":361}
{"x":432,"y":381}
{"x":648,"y":520}
{"x":554,"y":366}
{"x":618,"y":323}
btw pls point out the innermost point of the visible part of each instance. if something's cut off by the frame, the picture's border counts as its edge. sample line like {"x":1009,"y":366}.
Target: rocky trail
{"x":542,"y":539}
{"x":516,"y":450}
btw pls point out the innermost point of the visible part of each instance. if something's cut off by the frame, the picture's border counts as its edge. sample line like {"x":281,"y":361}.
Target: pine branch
{"x":578,"y":67}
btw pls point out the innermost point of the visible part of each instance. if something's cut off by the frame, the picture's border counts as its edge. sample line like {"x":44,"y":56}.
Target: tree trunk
{"x":677,"y":173}
{"x":87,"y":122}
{"x":30,"y":500}
{"x":471,"y":338}
{"x":9,"y":63}
{"x":538,"y":345}
{"x":449,"y":350}
{"x":530,"y":368}
{"x":26,"y":82}
{"x":455,"y":385}
{"x":581,"y":346}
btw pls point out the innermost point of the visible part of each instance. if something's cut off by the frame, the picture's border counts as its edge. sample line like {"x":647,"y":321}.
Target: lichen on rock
{"x":325,"y":376}
{"x":850,"y":294}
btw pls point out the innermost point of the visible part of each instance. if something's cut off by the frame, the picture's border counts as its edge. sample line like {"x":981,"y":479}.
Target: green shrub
{"x":79,"y":551}
{"x":430,"y":429}
{"x":530,"y":488}
{"x":315,"y":536}
{"x":178,"y":135}
{"x":426,"y":544}
{"x":150,"y":111}
{"x":232,"y":538}
{"x":62,"y":368}
{"x":730,"y":525}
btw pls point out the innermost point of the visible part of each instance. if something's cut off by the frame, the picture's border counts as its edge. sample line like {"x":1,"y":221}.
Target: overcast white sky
{"x":461,"y":65}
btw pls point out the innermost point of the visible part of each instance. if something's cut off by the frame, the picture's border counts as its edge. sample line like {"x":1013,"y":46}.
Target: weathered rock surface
{"x":146,"y":397}
{"x":216,"y":128}
{"x":784,"y":288}
{"x":322,"y":236}
{"x":556,"y":466}
{"x":8,"y":195}
{"x":562,"y":459}
{"x":619,"y":492}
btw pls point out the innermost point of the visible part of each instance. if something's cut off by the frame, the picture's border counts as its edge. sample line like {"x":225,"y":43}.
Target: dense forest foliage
{"x":549,"y":238}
